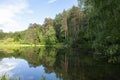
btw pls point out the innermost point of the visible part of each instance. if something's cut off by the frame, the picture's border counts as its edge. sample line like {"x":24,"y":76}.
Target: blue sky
{"x":16,"y":15}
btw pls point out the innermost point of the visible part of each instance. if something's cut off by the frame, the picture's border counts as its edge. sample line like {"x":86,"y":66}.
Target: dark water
{"x":55,"y":64}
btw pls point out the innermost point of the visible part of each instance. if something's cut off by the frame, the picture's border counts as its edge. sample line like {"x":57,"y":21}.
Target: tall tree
{"x":73,"y":24}
{"x":64,"y":24}
{"x":57,"y":26}
{"x":47,"y":23}
{"x":31,"y":35}
{"x":50,"y":37}
{"x":103,"y":25}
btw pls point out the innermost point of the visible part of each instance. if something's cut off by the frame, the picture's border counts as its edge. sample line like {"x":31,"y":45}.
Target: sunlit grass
{"x":10,"y":47}
{"x":17,"y":45}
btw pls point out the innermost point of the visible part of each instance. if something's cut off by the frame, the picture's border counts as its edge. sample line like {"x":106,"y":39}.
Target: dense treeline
{"x":64,"y":28}
{"x":93,"y":25}
{"x":35,"y":34}
{"x":103,"y":27}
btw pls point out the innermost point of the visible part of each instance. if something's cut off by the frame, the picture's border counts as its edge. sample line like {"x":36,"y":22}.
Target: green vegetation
{"x":94,"y":25}
{"x":103,"y":27}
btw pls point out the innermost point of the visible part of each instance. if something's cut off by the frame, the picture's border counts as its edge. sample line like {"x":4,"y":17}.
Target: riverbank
{"x":17,"y":45}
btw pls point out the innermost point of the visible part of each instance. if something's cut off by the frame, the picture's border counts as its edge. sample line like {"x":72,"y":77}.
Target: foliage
{"x":31,"y":35}
{"x":103,"y":26}
{"x":50,"y":36}
{"x":57,"y":23}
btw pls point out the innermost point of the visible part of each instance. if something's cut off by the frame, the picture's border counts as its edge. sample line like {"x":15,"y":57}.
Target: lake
{"x":48,"y":63}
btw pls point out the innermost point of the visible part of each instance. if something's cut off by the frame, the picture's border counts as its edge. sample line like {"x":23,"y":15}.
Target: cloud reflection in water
{"x":6,"y":65}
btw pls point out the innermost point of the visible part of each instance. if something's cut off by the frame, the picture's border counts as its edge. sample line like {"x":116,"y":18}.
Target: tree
{"x":65,"y":25}
{"x":50,"y":37}
{"x":47,"y":23}
{"x":58,"y":26}
{"x":2,"y":35}
{"x":61,"y":26}
{"x":31,"y":35}
{"x":103,"y":26}
{"x":73,"y":24}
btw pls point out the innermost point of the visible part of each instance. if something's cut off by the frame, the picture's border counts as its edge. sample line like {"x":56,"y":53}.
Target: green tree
{"x":2,"y":35}
{"x":73,"y":24}
{"x":61,"y":26}
{"x":31,"y":35}
{"x":57,"y":26}
{"x":65,"y":25}
{"x":47,"y":23}
{"x":50,"y":37}
{"x":103,"y":26}
{"x":19,"y":36}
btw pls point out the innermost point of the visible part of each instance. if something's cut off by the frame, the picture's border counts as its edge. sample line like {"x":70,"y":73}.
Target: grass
{"x":17,"y":45}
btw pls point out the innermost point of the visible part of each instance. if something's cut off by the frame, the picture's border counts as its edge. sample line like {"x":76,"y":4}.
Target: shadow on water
{"x":56,"y":64}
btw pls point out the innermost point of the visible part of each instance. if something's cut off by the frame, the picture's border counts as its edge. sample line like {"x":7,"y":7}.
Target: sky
{"x":16,"y":15}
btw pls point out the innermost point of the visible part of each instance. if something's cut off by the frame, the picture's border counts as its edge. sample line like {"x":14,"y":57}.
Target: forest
{"x":92,"y":25}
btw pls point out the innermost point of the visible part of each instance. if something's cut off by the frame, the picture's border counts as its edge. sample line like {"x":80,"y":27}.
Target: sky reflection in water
{"x":21,"y":68}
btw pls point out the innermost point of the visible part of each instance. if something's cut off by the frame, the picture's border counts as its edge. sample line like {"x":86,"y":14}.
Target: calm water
{"x":55,"y":64}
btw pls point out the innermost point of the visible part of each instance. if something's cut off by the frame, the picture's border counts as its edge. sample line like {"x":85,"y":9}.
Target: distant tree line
{"x":64,"y":28}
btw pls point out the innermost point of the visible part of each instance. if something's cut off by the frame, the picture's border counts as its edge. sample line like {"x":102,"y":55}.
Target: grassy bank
{"x":17,"y":45}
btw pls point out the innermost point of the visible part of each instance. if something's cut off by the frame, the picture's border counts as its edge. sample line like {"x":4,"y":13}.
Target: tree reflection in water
{"x":67,"y":63}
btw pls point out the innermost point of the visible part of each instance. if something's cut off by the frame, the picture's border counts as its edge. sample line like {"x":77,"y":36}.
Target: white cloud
{"x":10,"y":11}
{"x":52,"y":1}
{"x":6,"y":66}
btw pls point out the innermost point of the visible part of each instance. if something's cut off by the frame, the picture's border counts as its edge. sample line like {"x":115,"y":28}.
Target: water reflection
{"x":56,"y":64}
{"x":28,"y":64}
{"x":20,"y":68}
{"x":6,"y":65}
